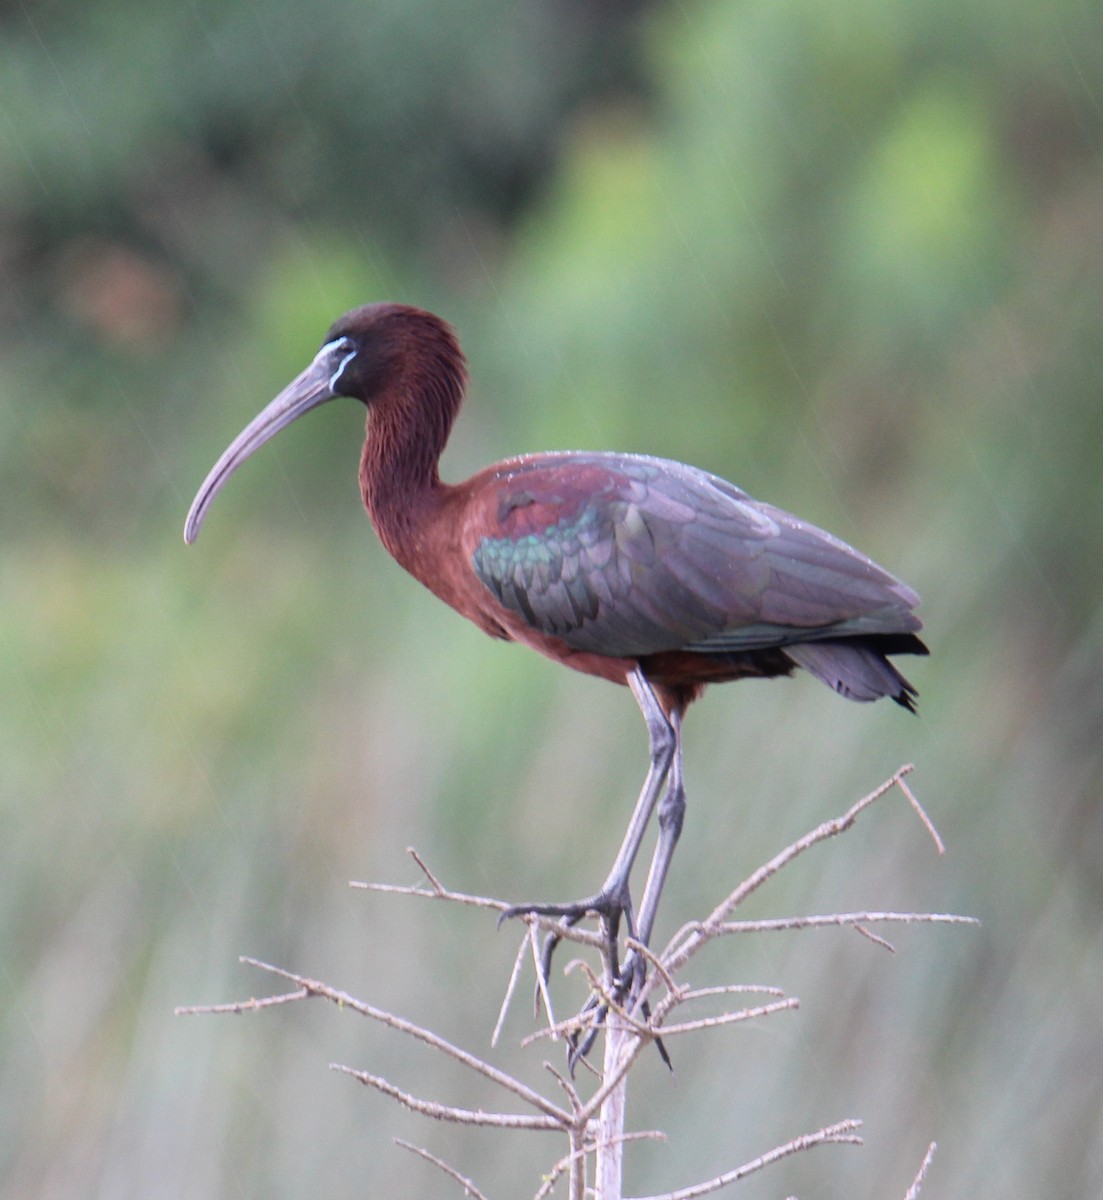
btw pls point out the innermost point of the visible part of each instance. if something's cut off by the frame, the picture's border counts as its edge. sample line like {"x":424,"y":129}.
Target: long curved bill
{"x":308,"y":390}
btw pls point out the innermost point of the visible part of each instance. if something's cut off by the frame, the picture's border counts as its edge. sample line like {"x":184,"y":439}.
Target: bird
{"x":638,"y":570}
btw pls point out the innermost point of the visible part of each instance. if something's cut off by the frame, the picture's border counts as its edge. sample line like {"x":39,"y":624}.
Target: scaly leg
{"x":672,"y":809}
{"x":672,"y":812}
{"x":614,"y":899}
{"x":625,"y":983}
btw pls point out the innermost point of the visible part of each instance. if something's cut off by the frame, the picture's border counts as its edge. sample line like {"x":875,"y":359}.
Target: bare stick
{"x":679,"y":952}
{"x":448,"y":1112}
{"x":595,"y":1128}
{"x":844,"y":1132}
{"x":437,"y":891}
{"x":469,"y":1188}
{"x":314,"y":988}
{"x":587,"y":1148}
{"x":771,"y":924}
{"x":511,"y":987}
{"x":920,"y":812}
{"x":917,"y":1185}
{"x":609,"y":1151}
{"x":730,"y":1018}
{"x":241,"y":1006}
{"x":876,"y":939}
{"x":730,"y":989}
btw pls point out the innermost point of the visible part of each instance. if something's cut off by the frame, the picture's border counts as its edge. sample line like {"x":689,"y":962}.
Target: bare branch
{"x":657,"y":963}
{"x":594,"y":1128}
{"x":567,"y":1086}
{"x":876,"y":939}
{"x":558,"y":1031}
{"x":729,"y":989}
{"x":344,"y":1000}
{"x":920,"y":811}
{"x":917,"y":1184}
{"x":242,"y":1006}
{"x":842,"y":1133}
{"x":689,"y":940}
{"x":729,"y":1018}
{"x":589,"y":1146}
{"x":447,"y":1112}
{"x":469,"y":1188}
{"x":433,"y":881}
{"x":511,"y":987}
{"x":771,"y":924}
{"x":437,"y":891}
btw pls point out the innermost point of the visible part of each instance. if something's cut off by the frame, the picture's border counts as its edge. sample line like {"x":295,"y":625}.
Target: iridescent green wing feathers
{"x":628,"y":556}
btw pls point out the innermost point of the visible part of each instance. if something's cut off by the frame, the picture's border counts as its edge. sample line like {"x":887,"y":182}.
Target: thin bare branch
{"x":434,"y":883}
{"x":345,"y":1000}
{"x":588,"y":1148}
{"x":567,"y":1162}
{"x":657,"y":963}
{"x":469,"y":1188}
{"x":842,"y":1133}
{"x":447,"y":1112}
{"x":567,"y":1086}
{"x":773,"y":924}
{"x":922,"y":814}
{"x":687,"y":942}
{"x":730,"y":989}
{"x":594,"y":1128}
{"x":437,"y":891}
{"x":561,"y":1029}
{"x":917,"y":1184}
{"x":876,"y":939}
{"x":634,"y":1044}
{"x":242,"y":1006}
{"x":511,"y":987}
{"x":729,"y":1018}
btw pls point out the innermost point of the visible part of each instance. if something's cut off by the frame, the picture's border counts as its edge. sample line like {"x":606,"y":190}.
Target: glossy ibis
{"x":639,"y":570}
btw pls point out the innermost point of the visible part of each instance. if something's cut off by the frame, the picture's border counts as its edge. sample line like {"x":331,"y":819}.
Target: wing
{"x":626,"y":556}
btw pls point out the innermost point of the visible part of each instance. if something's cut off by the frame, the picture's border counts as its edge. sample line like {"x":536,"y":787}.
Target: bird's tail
{"x":856,"y":669}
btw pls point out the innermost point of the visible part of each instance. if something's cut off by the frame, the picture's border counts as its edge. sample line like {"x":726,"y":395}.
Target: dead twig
{"x":917,"y":1184}
{"x":594,"y":1126}
{"x":448,"y":1112}
{"x":689,"y":940}
{"x":841,"y":1133}
{"x":314,"y":987}
{"x":469,"y":1188}
{"x":241,"y":1006}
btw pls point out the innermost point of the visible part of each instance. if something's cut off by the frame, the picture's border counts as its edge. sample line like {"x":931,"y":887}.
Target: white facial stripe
{"x":331,"y":348}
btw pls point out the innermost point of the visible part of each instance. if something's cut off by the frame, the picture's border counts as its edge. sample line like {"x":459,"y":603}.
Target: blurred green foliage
{"x":848,"y":255}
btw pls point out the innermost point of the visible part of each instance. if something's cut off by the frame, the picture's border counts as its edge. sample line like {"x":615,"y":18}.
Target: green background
{"x":849,"y":255}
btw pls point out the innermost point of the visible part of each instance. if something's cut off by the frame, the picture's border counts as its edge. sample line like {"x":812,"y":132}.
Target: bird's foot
{"x":603,"y":904}
{"x":596,"y":1010}
{"x":609,"y":907}
{"x":627,"y":978}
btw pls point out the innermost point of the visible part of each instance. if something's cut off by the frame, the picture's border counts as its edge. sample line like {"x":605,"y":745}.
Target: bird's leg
{"x":663,"y":743}
{"x":672,"y":809}
{"x":625,"y":983}
{"x":614,"y":897}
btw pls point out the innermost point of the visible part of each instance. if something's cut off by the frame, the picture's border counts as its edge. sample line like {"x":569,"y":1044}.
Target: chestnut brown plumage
{"x":639,"y":570}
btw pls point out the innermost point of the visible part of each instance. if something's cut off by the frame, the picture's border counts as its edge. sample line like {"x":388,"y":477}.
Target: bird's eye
{"x":342,"y":352}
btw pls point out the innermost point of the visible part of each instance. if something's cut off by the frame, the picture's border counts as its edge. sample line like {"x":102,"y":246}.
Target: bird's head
{"x":369,"y":354}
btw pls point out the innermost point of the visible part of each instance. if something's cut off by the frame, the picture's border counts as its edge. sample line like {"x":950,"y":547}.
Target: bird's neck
{"x":406,"y":433}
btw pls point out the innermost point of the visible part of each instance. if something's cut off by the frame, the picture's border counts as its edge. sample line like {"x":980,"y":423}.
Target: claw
{"x":607,"y":907}
{"x":626,"y":989}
